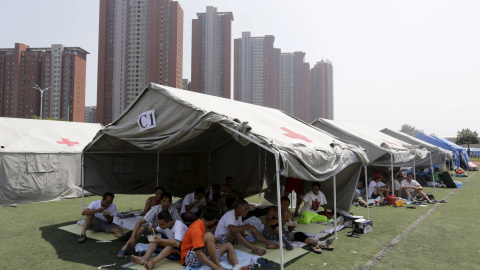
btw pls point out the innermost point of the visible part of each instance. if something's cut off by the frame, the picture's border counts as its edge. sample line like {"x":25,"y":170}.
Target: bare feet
{"x":245,"y":268}
{"x":273,"y":245}
{"x":137,"y":260}
{"x":149,"y":265}
{"x":259,"y":251}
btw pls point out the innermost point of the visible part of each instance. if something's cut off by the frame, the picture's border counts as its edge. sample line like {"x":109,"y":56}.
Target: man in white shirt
{"x":99,"y":217}
{"x":313,"y":200}
{"x":411,"y":188}
{"x":378,"y":188}
{"x":192,"y":205}
{"x":150,"y":218}
{"x":230,"y":229}
{"x":172,"y":232}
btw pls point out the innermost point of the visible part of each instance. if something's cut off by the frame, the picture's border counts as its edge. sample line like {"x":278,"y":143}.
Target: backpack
{"x":447,"y":180}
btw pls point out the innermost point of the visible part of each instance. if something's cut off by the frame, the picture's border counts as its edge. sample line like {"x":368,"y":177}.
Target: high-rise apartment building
{"x":140,"y":41}
{"x":186,"y":84}
{"x":256,"y":70}
{"x":321,"y":93}
{"x":211,"y":52}
{"x":90,"y":114}
{"x":62,"y":69}
{"x":295,"y":85}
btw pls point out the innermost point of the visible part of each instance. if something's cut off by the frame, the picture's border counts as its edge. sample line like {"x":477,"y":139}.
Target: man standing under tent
{"x":412,"y":188}
{"x":150,"y":218}
{"x":396,"y":189}
{"x":294,"y":184}
{"x":230,"y":229}
{"x":172,"y":232}
{"x":198,"y":247}
{"x":313,"y":200}
{"x":192,"y":205}
{"x":378,"y":188}
{"x":272,"y":227}
{"x":99,"y":217}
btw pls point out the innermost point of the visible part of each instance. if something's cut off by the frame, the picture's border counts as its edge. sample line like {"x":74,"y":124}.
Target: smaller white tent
{"x":438,"y":155}
{"x":40,"y":160}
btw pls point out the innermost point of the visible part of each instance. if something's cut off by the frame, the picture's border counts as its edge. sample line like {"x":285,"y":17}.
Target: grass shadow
{"x":89,"y":253}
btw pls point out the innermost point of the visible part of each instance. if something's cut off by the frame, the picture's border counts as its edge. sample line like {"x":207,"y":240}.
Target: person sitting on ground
{"x":378,"y":188}
{"x":230,"y":229}
{"x":313,"y":200}
{"x":154,"y":200}
{"x":150,"y":218}
{"x":272,"y":229}
{"x":411,"y":188}
{"x":294,"y":184}
{"x":396,"y":186}
{"x":358,"y":197}
{"x":198,"y":247}
{"x":99,"y":217}
{"x":193,"y":204}
{"x":231,"y":194}
{"x":172,"y":232}
{"x":215,"y":198}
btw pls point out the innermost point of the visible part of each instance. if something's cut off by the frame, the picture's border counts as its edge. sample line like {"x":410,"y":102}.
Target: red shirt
{"x":193,"y":239}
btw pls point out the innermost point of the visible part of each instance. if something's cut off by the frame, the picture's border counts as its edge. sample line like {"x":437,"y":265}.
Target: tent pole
{"x":433,"y":177}
{"x":259,"y":177}
{"x":414,"y":171}
{"x":391,"y":171}
{"x":334,"y":204}
{"x":280,"y":231}
{"x":158,"y":167}
{"x":277,"y":167}
{"x":366,"y":192}
{"x":83,"y":184}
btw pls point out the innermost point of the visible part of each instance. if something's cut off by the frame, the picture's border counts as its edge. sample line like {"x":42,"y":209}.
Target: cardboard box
{"x":348,"y":220}
{"x":362,"y":226}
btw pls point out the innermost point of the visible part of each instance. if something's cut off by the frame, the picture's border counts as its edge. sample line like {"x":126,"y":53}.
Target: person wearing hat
{"x":378,"y":188}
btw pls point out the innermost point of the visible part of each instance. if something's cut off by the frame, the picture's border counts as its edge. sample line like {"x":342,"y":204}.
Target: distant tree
{"x":408,"y":129}
{"x":433,"y":135}
{"x":466,"y":136}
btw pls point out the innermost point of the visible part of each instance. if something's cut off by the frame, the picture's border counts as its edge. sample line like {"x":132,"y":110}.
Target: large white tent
{"x":181,"y":139}
{"x":40,"y":160}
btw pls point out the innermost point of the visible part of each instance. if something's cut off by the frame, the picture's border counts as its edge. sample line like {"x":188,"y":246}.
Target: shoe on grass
{"x":82,"y":238}
{"x":265,"y":263}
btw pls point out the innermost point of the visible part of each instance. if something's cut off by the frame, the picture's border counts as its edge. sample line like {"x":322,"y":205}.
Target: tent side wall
{"x":33,"y":177}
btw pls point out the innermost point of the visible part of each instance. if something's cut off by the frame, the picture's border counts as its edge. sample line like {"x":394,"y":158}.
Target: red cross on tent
{"x":67,"y":142}
{"x":389,"y":142}
{"x":295,"y":135}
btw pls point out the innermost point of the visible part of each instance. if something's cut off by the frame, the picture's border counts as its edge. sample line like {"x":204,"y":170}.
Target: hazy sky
{"x":395,"y":62}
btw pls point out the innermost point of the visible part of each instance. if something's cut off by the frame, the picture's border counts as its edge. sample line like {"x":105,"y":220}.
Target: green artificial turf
{"x":447,"y":238}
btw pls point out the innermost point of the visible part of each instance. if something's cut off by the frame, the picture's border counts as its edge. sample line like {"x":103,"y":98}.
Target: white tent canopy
{"x":181,"y":139}
{"x":439,"y":155}
{"x":382,"y":149}
{"x":40,"y":160}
